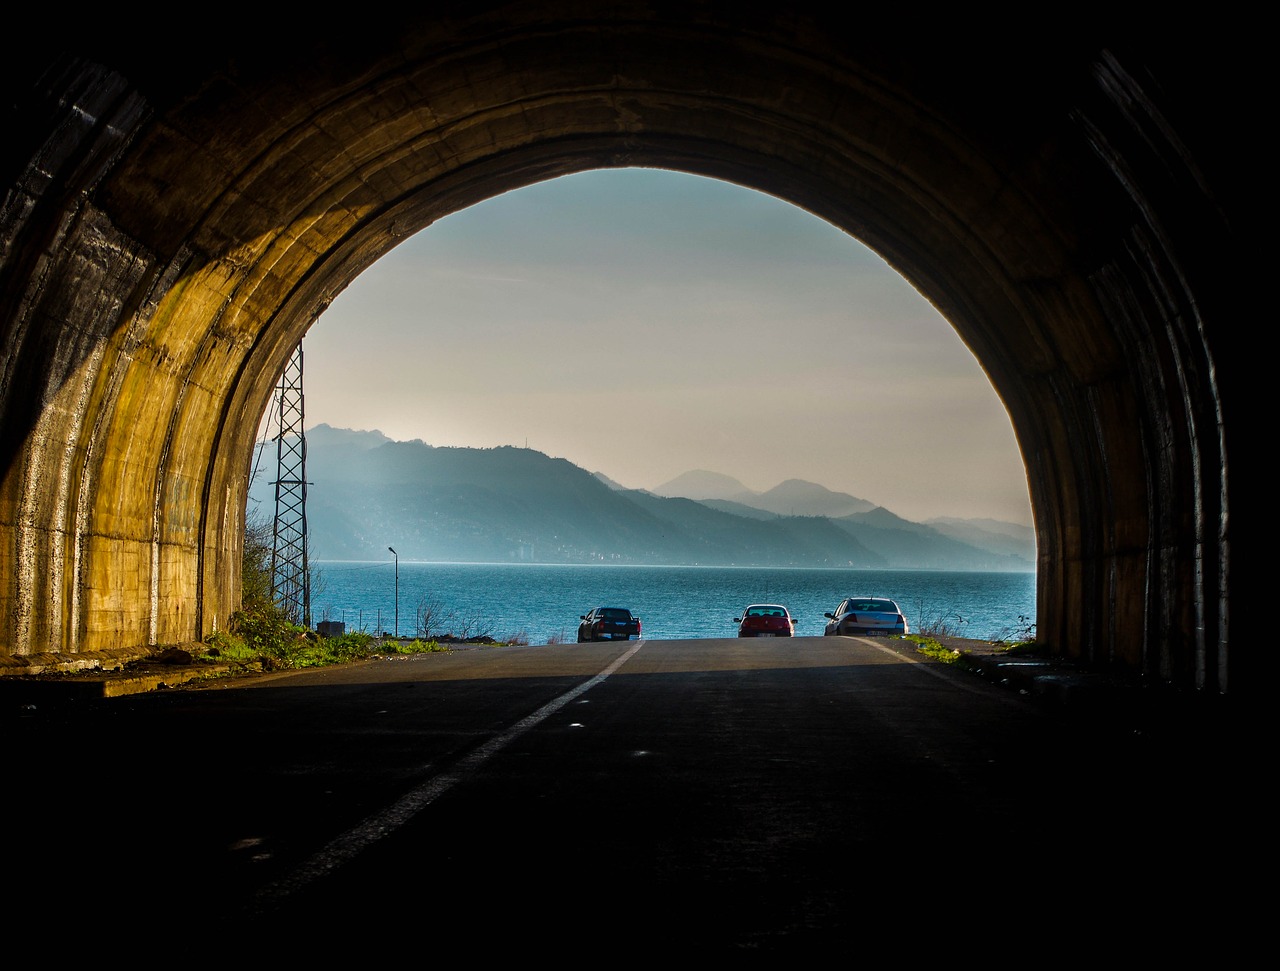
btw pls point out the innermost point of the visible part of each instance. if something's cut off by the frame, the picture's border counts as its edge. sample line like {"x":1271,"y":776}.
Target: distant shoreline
{"x":660,"y":566}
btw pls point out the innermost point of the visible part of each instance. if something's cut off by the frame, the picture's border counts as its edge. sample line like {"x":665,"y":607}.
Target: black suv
{"x":608,"y":624}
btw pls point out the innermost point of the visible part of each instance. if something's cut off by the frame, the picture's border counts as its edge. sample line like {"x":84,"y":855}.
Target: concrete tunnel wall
{"x":176,"y":216}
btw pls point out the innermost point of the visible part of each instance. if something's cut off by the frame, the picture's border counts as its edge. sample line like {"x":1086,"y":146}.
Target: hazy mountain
{"x":795,"y":497}
{"x":367,"y":493}
{"x":907,"y":545}
{"x":700,"y":484}
{"x":775,"y":540}
{"x":990,"y":534}
{"x":609,"y":482}
{"x":738,"y":509}
{"x":330,"y":436}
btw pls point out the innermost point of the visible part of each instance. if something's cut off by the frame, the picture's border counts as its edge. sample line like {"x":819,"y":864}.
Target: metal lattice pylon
{"x":290,"y":577}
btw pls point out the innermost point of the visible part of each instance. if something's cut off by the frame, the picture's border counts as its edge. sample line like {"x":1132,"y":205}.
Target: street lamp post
{"x":397,"y":556}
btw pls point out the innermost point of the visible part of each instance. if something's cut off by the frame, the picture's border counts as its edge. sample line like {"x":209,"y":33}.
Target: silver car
{"x":866,"y":615}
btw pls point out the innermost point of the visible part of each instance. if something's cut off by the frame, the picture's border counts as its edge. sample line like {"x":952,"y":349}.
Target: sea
{"x":542,"y":603}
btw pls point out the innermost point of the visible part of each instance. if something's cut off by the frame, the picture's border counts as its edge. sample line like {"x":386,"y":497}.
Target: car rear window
{"x":616,"y":614}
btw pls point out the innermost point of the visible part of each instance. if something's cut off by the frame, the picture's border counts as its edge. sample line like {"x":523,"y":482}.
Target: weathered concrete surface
{"x":103,"y":683}
{"x":39,"y":678}
{"x":176,"y":215}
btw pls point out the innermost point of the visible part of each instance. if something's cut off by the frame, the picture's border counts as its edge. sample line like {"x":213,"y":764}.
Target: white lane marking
{"x":381,"y":824}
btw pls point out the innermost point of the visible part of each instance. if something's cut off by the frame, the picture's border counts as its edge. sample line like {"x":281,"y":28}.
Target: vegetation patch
{"x":262,"y":636}
{"x":932,"y":648}
{"x":415,"y":646}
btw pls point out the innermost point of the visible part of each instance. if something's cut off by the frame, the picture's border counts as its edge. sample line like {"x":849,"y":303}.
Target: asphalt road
{"x":786,"y":797}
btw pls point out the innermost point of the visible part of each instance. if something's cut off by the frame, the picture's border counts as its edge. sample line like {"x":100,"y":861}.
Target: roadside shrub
{"x":947,"y":623}
{"x":304,"y":652}
{"x":225,"y":646}
{"x":474,"y":627}
{"x":1022,"y":633}
{"x":431,"y":617}
{"x":353,"y":646}
{"x":267,"y":632}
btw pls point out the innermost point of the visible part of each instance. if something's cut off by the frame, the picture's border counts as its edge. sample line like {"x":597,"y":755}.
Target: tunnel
{"x":180,"y":207}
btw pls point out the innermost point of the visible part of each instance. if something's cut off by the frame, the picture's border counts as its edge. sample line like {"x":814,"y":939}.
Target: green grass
{"x":287,"y":647}
{"x":928,"y":646}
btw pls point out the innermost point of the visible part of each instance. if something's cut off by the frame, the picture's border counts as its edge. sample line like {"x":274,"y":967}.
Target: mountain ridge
{"x":508,"y":504}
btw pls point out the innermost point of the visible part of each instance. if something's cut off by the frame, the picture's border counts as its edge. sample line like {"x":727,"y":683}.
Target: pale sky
{"x":644,"y":323}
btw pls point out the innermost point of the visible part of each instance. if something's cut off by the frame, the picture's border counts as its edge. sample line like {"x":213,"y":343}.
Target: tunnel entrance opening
{"x":674,"y":334}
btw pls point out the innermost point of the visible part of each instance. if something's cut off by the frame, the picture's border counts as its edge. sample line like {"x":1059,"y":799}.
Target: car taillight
{"x":637,"y":627}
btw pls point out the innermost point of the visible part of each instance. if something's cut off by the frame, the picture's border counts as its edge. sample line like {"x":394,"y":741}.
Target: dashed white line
{"x":375,"y":827}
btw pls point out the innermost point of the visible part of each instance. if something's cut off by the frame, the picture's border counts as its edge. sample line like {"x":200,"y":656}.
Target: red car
{"x":765,"y":620}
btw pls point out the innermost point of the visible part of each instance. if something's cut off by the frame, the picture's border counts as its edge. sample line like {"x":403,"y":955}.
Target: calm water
{"x":542,"y":603}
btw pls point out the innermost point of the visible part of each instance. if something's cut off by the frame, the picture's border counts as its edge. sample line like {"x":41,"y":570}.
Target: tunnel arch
{"x":172,"y":225}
